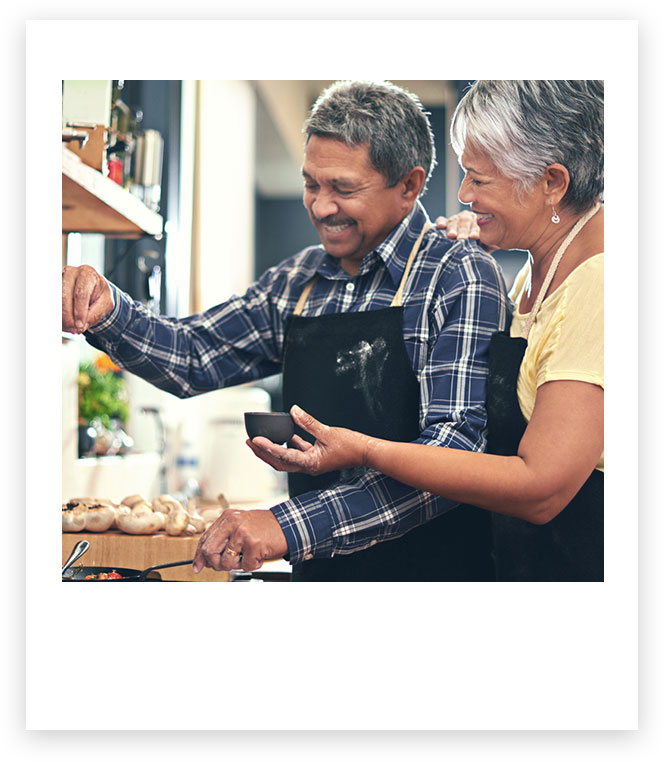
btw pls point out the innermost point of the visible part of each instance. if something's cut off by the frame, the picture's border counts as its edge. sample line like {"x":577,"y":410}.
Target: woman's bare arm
{"x":561,"y":446}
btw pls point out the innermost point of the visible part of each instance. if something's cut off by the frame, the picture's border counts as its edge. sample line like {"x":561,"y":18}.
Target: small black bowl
{"x":277,"y":427}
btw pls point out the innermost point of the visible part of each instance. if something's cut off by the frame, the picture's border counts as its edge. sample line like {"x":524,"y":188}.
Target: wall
{"x":223,"y":235}
{"x":223,"y":264}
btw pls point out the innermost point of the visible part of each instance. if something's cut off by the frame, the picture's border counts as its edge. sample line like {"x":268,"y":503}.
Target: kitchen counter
{"x":128,"y":551}
{"x":134,"y":551}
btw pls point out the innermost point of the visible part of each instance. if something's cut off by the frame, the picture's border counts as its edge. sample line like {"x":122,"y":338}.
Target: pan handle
{"x":77,"y":552}
{"x":165,"y":566}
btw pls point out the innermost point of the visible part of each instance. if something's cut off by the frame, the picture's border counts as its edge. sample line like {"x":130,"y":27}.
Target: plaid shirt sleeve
{"x":235,"y":342}
{"x":471,"y":305}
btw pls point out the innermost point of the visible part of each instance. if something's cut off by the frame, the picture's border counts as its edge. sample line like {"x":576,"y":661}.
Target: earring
{"x":554,"y":217}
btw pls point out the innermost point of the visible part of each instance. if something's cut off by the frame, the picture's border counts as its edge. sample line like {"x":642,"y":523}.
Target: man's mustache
{"x":332,"y":220}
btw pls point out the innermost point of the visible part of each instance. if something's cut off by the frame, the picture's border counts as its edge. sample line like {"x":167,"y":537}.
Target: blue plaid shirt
{"x":454,"y":300}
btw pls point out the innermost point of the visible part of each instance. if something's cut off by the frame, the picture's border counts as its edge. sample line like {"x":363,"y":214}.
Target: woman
{"x":532,"y":154}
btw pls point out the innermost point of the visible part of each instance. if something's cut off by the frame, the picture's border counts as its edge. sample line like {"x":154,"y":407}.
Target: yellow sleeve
{"x":575,"y":350}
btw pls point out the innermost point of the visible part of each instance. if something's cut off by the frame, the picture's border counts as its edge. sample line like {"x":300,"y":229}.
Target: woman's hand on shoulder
{"x":461,"y":227}
{"x":335,"y":448}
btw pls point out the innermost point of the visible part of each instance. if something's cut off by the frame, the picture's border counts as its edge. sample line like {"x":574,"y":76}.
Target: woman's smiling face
{"x":506,"y":220}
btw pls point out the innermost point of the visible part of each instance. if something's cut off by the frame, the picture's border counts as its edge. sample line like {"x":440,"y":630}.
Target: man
{"x":384,"y":328}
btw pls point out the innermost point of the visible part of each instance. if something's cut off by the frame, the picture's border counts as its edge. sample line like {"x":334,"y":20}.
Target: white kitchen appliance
{"x":227,"y":465}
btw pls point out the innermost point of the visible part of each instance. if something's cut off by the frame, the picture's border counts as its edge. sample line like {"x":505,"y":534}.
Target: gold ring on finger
{"x":231,"y":552}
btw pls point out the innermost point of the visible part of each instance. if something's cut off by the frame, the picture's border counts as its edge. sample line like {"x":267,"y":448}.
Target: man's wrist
{"x":111,"y":317}
{"x":307,"y":527}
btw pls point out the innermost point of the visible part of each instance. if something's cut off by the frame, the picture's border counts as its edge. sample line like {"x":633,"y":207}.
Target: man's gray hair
{"x":524,"y":125}
{"x":388,"y":119}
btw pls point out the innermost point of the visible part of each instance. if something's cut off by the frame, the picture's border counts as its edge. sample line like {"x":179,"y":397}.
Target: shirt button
{"x":350,"y":286}
{"x":308,"y":556}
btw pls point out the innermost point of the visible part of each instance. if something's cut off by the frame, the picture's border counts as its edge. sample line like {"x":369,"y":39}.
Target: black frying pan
{"x":79,"y":573}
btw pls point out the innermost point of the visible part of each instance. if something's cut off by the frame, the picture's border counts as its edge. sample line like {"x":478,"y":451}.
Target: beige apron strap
{"x":304,"y":296}
{"x":552,"y":269}
{"x":396,"y":302}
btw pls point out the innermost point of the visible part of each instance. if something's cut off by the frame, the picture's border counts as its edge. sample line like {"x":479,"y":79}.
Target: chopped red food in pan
{"x":104,"y":575}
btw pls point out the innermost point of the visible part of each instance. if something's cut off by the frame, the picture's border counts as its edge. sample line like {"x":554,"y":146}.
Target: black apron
{"x":570,"y":548}
{"x":353,"y":370}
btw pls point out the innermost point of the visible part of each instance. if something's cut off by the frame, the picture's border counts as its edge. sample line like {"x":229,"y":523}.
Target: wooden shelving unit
{"x":92,"y":203}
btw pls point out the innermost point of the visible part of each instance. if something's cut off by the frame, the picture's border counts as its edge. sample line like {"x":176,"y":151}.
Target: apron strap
{"x":304,"y":295}
{"x":552,"y":269}
{"x":396,"y":302}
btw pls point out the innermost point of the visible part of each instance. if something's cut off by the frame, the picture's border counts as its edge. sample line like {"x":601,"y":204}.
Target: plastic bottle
{"x":187,"y":468}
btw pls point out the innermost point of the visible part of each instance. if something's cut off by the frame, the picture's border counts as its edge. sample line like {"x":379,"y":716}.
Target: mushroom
{"x":138,"y":523}
{"x":196,"y":520}
{"x":176,"y":521}
{"x":133,"y":499}
{"x":189,"y":530}
{"x":78,"y":505}
{"x":166,"y":503}
{"x":142,"y":509}
{"x":99,"y":518}
{"x":160,"y":507}
{"x":73,"y":517}
{"x":119,"y":509}
{"x":210,"y":515}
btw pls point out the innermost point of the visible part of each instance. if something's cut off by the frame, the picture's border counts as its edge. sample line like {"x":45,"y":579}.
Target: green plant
{"x":101,"y":394}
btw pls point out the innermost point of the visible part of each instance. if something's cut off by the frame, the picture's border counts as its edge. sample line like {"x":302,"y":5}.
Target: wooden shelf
{"x":92,"y":203}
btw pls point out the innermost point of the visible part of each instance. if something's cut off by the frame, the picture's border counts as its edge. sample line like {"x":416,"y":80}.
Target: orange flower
{"x":104,"y":364}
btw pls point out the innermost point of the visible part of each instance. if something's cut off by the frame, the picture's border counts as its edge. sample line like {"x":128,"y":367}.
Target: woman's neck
{"x":588,"y":242}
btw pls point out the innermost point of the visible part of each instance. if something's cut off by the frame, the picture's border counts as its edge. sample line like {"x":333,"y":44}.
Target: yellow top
{"x":566,"y":341}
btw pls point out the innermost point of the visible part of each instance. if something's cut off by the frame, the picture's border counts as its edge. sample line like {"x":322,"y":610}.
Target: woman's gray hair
{"x":388,"y":119}
{"x":524,"y":125}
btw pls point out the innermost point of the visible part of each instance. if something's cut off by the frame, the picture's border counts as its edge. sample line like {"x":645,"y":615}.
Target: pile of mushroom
{"x":135,"y":515}
{"x":87,"y":513}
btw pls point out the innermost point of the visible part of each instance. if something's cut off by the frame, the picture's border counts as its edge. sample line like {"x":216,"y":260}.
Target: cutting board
{"x":118,"y":549}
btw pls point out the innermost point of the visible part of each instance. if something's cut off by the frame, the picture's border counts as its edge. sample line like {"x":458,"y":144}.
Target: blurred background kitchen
{"x":182,"y":192}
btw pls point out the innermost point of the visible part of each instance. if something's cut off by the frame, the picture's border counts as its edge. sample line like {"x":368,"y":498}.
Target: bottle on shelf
{"x":147,"y":170}
{"x":123,"y":131}
{"x":187,"y":471}
{"x":120,"y":111}
{"x":116,"y":162}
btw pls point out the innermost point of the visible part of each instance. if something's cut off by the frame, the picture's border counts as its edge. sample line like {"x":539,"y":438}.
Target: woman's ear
{"x":556,"y":183}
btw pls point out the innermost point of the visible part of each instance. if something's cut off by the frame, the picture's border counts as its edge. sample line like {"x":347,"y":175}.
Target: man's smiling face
{"x":348,"y":201}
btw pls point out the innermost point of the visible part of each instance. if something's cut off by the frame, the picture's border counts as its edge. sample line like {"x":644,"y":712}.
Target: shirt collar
{"x":396,"y":248}
{"x":393,"y":251}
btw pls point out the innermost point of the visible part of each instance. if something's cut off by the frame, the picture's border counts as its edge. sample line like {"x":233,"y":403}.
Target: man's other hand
{"x":240,"y":539}
{"x":86,"y":298}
